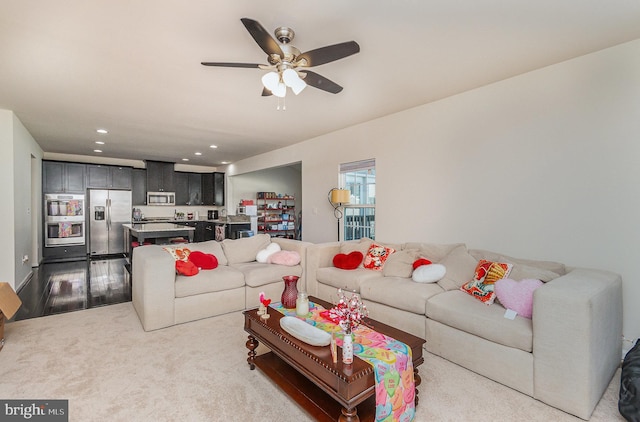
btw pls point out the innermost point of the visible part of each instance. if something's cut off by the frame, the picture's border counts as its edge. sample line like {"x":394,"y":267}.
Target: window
{"x":359,"y":178}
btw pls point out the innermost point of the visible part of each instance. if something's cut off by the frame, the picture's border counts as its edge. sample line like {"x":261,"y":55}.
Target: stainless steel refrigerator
{"x":108,"y":211}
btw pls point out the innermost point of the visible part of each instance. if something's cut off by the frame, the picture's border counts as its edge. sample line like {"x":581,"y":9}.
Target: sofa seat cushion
{"x":461,"y":311}
{"x":257,"y":274}
{"x":345,"y":279}
{"x":207,"y":281}
{"x":398,"y":292}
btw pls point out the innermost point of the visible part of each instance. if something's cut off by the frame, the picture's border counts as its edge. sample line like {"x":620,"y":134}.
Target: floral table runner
{"x":391,"y":360}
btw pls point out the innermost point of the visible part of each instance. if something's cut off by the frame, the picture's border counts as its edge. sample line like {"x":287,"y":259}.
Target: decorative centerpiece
{"x":262,"y":309}
{"x":348,"y":313}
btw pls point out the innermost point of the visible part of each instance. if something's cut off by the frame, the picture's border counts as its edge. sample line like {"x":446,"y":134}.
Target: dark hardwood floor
{"x":59,"y":287}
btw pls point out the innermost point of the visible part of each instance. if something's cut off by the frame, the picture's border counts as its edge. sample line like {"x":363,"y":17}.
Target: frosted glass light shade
{"x":270,"y":81}
{"x":340,"y":196}
{"x":280,"y":90}
{"x":293,"y":81}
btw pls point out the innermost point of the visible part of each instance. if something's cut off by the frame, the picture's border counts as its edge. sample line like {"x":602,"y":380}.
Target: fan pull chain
{"x":284,"y":104}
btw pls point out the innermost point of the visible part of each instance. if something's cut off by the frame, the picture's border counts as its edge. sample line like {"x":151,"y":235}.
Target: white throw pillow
{"x":429,"y":273}
{"x":264,"y":254}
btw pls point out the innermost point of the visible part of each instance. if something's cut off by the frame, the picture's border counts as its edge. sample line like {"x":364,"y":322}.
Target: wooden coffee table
{"x":328,"y":391}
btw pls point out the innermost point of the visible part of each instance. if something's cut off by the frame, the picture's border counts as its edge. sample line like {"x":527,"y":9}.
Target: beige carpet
{"x":110,"y":369}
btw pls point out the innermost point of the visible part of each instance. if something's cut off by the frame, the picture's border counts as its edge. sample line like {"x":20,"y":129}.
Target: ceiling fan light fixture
{"x":293,"y":81}
{"x":280,"y":90}
{"x":270,"y":81}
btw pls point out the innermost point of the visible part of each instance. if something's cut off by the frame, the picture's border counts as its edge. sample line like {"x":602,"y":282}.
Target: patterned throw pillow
{"x":376,"y":256}
{"x":482,"y":285}
{"x":179,"y":254}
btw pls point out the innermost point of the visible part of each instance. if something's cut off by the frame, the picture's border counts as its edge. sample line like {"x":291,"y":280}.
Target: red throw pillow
{"x":348,"y":262}
{"x":186,"y":268}
{"x":204,"y":261}
{"x":418,"y":262}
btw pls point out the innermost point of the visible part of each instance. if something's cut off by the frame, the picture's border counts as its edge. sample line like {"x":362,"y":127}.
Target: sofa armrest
{"x":153,"y":286}
{"x":319,"y":256}
{"x":301,"y":248}
{"x":577,"y":338}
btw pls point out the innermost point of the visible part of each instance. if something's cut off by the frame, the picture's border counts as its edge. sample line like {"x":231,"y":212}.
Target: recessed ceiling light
{"x":185,"y":159}
{"x":103,"y":131}
{"x":99,"y":142}
{"x":224,"y":162}
{"x":213,"y":146}
{"x":198,"y":153}
{"x":97,"y":150}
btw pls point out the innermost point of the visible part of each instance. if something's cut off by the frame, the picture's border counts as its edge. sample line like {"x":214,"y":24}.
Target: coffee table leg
{"x":349,"y":415}
{"x":417,"y":380}
{"x":252,"y":344}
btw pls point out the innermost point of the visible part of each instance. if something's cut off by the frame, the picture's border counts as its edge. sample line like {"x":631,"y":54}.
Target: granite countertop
{"x":156,"y":220}
{"x":155,"y":227}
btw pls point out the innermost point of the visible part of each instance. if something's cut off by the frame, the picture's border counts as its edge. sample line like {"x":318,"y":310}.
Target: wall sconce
{"x":337,"y":198}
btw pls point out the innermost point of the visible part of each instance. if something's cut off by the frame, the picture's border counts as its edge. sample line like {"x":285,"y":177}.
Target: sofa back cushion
{"x":210,"y":247}
{"x":524,"y":268}
{"x":245,"y":249}
{"x":361,"y":245}
{"x":400,"y":263}
{"x":460,"y":267}
{"x":434,"y":252}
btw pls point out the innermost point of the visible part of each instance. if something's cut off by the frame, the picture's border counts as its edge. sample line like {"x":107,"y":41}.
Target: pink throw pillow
{"x":517,"y":295}
{"x":289,"y":258}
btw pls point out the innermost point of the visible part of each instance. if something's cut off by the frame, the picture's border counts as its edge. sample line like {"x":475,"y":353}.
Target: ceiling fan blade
{"x":266,"y":92}
{"x":329,"y":53}
{"x":320,"y":82}
{"x":247,"y":65}
{"x":262,"y":37}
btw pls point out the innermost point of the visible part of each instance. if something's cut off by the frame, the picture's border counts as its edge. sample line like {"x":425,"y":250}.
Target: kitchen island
{"x":156,"y":231}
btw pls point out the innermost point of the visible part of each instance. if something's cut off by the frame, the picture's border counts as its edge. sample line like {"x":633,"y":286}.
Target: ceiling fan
{"x":287,"y":65}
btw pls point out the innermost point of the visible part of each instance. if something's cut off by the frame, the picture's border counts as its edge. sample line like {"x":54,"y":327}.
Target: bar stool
{"x":176,"y":240}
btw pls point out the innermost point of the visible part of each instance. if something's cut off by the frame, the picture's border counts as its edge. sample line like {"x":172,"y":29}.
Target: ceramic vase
{"x":347,"y":349}
{"x":290,"y":292}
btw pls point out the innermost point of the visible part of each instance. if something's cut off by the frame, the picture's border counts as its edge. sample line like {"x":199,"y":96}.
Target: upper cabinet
{"x":160,"y":177}
{"x":188,"y":188}
{"x":213,"y":188}
{"x":60,"y":177}
{"x":108,"y":177}
{"x":139,"y":187}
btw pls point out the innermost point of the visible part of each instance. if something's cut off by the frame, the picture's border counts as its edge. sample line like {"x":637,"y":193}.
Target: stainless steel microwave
{"x":161,"y":198}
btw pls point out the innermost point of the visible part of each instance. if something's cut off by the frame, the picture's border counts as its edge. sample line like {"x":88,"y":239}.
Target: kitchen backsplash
{"x":154,"y":211}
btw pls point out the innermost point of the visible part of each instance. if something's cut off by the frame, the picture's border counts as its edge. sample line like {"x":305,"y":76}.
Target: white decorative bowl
{"x":305,"y":332}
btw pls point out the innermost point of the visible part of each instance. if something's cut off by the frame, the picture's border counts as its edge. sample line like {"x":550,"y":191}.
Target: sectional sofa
{"x":162,"y":298}
{"x":565,"y":355}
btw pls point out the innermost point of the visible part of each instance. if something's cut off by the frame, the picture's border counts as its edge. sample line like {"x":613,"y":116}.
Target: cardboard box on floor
{"x":9,"y":304}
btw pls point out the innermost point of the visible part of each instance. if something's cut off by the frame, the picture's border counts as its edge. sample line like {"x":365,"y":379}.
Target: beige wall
{"x":542,"y":166}
{"x":21,"y":175}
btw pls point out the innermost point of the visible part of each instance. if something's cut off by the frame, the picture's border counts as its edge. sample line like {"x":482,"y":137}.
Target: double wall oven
{"x":64,"y":223}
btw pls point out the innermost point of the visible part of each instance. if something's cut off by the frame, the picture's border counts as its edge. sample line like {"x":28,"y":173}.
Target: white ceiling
{"x":70,"y":67}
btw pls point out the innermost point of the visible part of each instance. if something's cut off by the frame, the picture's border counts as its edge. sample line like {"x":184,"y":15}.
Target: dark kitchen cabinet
{"x":160,"y":177}
{"x":209,"y":231}
{"x":108,"y":177}
{"x":213,"y":188}
{"x":199,"y":235}
{"x":188,"y":188}
{"x":61,"y":177}
{"x":182,"y":188}
{"x":195,"y":189}
{"x":120,"y":177}
{"x":139,"y":187}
